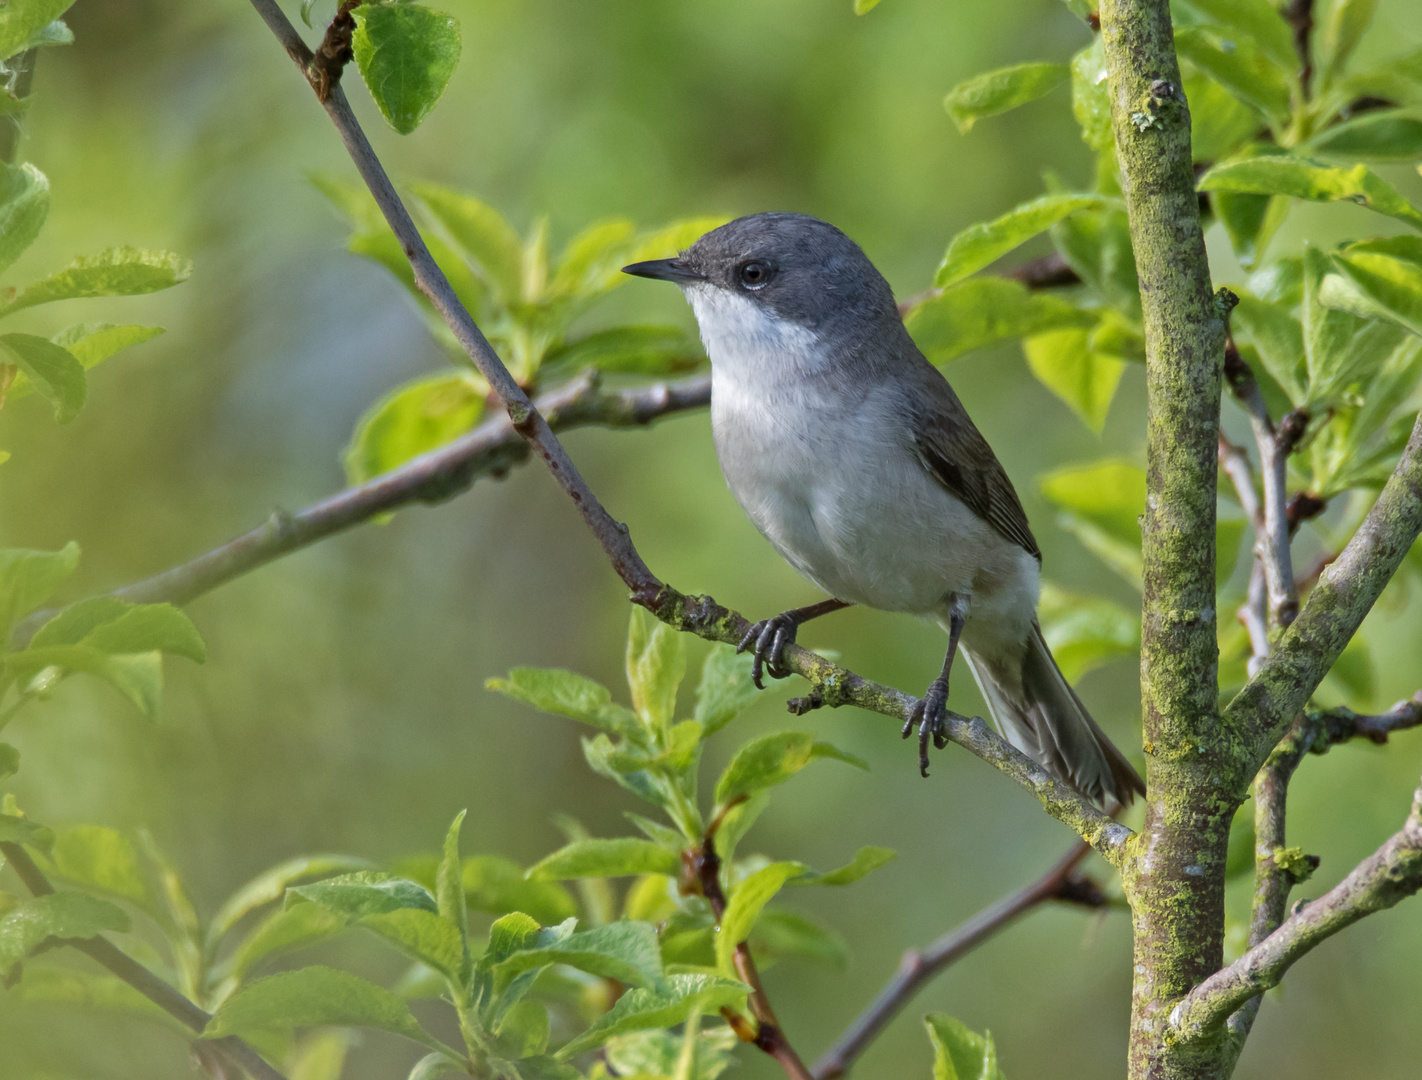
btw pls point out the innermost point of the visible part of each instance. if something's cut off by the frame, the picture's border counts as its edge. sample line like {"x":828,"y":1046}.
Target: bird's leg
{"x":767,"y":639}
{"x":932,"y":709}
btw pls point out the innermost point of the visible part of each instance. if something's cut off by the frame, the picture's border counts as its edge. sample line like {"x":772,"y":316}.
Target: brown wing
{"x":958,"y":457}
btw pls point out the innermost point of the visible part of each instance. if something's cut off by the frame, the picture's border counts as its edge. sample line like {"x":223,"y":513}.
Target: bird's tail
{"x":1039,"y":713}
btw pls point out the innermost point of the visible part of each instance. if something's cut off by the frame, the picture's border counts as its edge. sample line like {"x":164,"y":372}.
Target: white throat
{"x":747,"y":342}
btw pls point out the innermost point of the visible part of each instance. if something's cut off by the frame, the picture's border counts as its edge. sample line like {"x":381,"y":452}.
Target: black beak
{"x":664,"y":270}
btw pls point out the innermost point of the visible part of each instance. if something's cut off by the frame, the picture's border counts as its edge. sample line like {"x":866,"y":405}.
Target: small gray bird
{"x":851,"y":454}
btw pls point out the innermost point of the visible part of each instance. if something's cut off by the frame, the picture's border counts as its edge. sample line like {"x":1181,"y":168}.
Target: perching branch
{"x":229,"y":1051}
{"x":1345,"y":593}
{"x":430,"y":279}
{"x":918,"y":967}
{"x":830,"y":685}
{"x":1389,"y":875}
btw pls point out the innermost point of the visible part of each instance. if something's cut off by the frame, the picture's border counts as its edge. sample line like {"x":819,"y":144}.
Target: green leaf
{"x":1065,"y":364}
{"x":629,"y":350}
{"x":138,"y":676}
{"x":270,"y":885}
{"x":1390,"y":283}
{"x":433,"y":1066}
{"x":116,"y":626}
{"x":564,"y":693}
{"x":656,"y":662}
{"x":725,"y":688}
{"x":421,"y":935}
{"x":985,"y":310}
{"x":28,"y":578}
{"x":1278,"y":337}
{"x":978,"y":245}
{"x":1330,"y":358}
{"x":89,"y":343}
{"x":771,"y":760}
{"x":1260,"y":20}
{"x":313,"y":996}
{"x":282,"y":932}
{"x":1341,"y":32}
{"x":865,"y":860}
{"x":19,"y":830}
{"x":960,"y":1054}
{"x":406,"y":54}
{"x":1220,"y":124}
{"x":1097,"y":245}
{"x":647,"y":1054}
{"x":498,"y":885}
{"x":995,"y":92}
{"x":1090,"y":100}
{"x":1250,"y":222}
{"x":664,"y":1005}
{"x":1085,"y":632}
{"x":58,"y":915}
{"x":481,"y":234}
{"x":1101,"y":506}
{"x":625,"y":951}
{"x":365,"y":892}
{"x":627,"y":767}
{"x":1305,"y":179}
{"x":779,"y":933}
{"x":101,"y":859}
{"x":1237,"y":63}
{"x":1380,"y":135}
{"x":449,"y":884}
{"x":53,"y":371}
{"x":87,"y":990}
{"x":22,"y":21}
{"x":1239,"y":859}
{"x":122,"y":271}
{"x":524,"y":1029}
{"x":863,"y":7}
{"x":507,"y":936}
{"x":591,"y":857}
{"x":749,"y":896}
{"x":24,"y":196}
{"x":413,"y":419}
{"x":9,"y":761}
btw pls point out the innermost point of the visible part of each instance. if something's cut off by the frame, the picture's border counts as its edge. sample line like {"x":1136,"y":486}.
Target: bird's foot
{"x":766,"y":641}
{"x":931,"y":716}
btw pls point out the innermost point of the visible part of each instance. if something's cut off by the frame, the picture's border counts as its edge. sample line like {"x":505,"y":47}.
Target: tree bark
{"x":1174,"y":873}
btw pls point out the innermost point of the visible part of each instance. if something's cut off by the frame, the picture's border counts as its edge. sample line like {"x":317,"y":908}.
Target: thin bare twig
{"x":1299,"y":16}
{"x":232,"y":1050}
{"x":919,"y":966}
{"x":1254,"y":613}
{"x":1388,"y":876}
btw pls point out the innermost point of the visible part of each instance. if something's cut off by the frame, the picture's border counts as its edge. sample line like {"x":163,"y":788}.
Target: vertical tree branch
{"x":1175,"y":880}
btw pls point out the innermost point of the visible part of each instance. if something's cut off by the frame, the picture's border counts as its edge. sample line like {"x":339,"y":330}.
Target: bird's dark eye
{"x":755,"y":275}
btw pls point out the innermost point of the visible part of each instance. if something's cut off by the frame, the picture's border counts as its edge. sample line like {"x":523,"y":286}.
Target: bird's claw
{"x":766,"y":641}
{"x":930,"y":715}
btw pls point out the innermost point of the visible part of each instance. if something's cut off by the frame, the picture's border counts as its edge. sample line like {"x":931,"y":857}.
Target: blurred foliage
{"x":666,"y":125}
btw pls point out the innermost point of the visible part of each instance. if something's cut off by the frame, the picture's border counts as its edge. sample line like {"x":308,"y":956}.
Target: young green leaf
{"x":978,"y":245}
{"x":507,"y":936}
{"x":19,"y":830}
{"x":628,"y":350}
{"x":406,"y":54}
{"x":1097,"y":245}
{"x":270,"y":885}
{"x":1260,"y":20}
{"x":725,"y":688}
{"x":24,"y":190}
{"x":1272,"y":329}
{"x":21,"y":22}
{"x":656,"y":662}
{"x":1090,"y":102}
{"x":625,"y":951}
{"x":138,"y":676}
{"x":481,"y":234}
{"x":498,"y":885}
{"x":9,"y":761}
{"x":592,"y":261}
{"x":1085,"y":632}
{"x":564,"y":693}
{"x":122,"y":271}
{"x":314,"y":996}
{"x":1390,"y":284}
{"x":28,"y":578}
{"x":414,"y":418}
{"x":661,"y":1006}
{"x":960,"y":1054}
{"x":433,"y":1066}
{"x":58,"y":915}
{"x":365,"y":892}
{"x":1063,"y":362}
{"x":1237,"y":63}
{"x":523,"y":1031}
{"x":1220,"y":124}
{"x":1380,"y":135}
{"x":995,"y":92}
{"x":661,"y":1053}
{"x":621,"y":857}
{"x":627,"y":767}
{"x":282,"y":932}
{"x":863,"y":7}
{"x":449,"y":886}
{"x":116,"y":626}
{"x":781,"y":934}
{"x":749,"y":896}
{"x":983,"y":311}
{"x":421,"y":935}
{"x":1100,"y":506}
{"x":102,"y":859}
{"x":1250,"y":222}
{"x":1329,"y":356}
{"x":1341,"y":32}
{"x":52,"y":370}
{"x":1305,"y":179}
{"x":866,"y":860}
{"x":89,"y":343}
{"x":771,"y":760}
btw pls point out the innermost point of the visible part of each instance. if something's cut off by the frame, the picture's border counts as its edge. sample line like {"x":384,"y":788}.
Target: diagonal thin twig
{"x":919,"y":967}
{"x":231,"y":1049}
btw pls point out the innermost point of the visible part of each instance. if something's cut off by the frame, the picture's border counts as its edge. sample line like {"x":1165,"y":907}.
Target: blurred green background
{"x":343,"y":706}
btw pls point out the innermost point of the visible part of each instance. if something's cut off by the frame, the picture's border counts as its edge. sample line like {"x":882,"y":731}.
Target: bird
{"x":852,"y":455}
